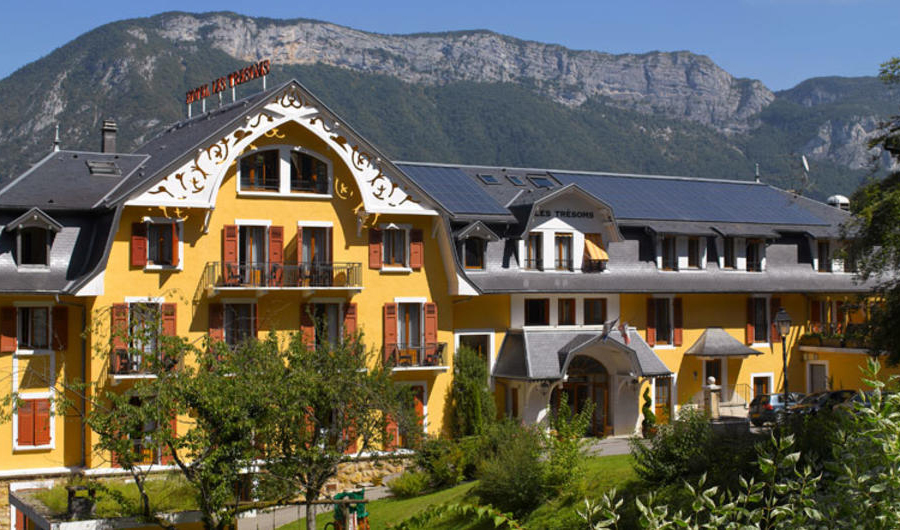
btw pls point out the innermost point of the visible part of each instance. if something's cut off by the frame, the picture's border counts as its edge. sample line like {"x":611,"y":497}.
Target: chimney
{"x":108,"y":141}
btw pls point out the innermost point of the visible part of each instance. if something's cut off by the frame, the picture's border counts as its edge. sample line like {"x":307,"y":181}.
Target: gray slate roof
{"x":542,"y":354}
{"x":716,"y":342}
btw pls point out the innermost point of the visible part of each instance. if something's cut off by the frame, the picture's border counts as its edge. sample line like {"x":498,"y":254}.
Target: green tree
{"x":470,"y":399}
{"x":874,"y":237}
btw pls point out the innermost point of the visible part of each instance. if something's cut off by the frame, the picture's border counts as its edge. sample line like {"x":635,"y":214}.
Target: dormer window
{"x":34,"y":236}
{"x":754,"y":255}
{"x":308,"y":174}
{"x":693,"y":252}
{"x":824,"y":250}
{"x":534,"y":251}
{"x":473,"y":253}
{"x":259,"y":171}
{"x":34,"y":246}
{"x":669,"y":254}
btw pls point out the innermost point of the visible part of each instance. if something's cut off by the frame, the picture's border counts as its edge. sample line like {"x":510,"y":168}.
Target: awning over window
{"x":593,"y":247}
{"x":716,"y":342}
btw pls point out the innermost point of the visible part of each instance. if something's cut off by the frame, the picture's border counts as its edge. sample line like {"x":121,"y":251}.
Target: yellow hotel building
{"x":241,"y":220}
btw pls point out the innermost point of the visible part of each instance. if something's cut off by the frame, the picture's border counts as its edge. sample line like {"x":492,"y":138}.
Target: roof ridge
{"x":584,"y":172}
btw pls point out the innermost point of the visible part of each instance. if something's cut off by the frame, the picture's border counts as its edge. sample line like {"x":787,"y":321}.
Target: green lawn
{"x":601,"y":474}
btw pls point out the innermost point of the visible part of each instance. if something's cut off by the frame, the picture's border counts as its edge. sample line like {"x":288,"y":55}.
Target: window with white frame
{"x":161,"y":243}
{"x":760,"y":316}
{"x":284,"y":170}
{"x":662,"y":309}
{"x":33,"y":422}
{"x":328,"y":323}
{"x":754,"y":253}
{"x":534,"y":251}
{"x":694,"y":253}
{"x":395,"y":245}
{"x":33,"y":246}
{"x":239,"y":322}
{"x":473,"y":253}
{"x":669,"y":253}
{"x":33,"y":331}
{"x":824,"y":255}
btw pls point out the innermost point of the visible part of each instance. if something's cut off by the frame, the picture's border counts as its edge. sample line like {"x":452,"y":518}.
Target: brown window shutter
{"x":230,"y":254}
{"x":375,"y":238}
{"x":307,"y":326}
{"x":815,"y":316}
{"x":276,"y":254}
{"x":42,"y":422}
{"x":60,"y":317}
{"x":138,"y":244}
{"x":603,"y":309}
{"x":119,"y":329}
{"x":25,"y":413}
{"x":175,"y":257}
{"x":416,"y":249}
{"x":216,"y":322}
{"x":390,"y":330}
{"x":8,"y":341}
{"x":651,"y":321}
{"x":839,"y":316}
{"x":678,"y":318}
{"x":21,"y":520}
{"x":166,"y":454}
{"x":774,"y":306}
{"x":350,"y":436}
{"x":169,"y":319}
{"x":350,"y":319}
{"x":431,"y":323}
{"x":751,"y":330}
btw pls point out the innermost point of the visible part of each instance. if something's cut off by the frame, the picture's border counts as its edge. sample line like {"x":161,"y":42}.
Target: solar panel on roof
{"x":454,"y":190}
{"x":692,"y":200}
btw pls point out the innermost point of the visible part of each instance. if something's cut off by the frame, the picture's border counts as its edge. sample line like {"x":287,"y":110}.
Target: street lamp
{"x":783,"y":324}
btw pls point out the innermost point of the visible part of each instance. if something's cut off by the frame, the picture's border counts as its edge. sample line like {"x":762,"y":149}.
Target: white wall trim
{"x":253,"y":222}
{"x":492,"y":355}
{"x":770,"y":375}
{"x":809,"y":373}
{"x":315,"y":224}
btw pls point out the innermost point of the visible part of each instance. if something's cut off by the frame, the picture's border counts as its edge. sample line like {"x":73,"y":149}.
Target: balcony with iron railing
{"x":564,"y":264}
{"x":134,"y":363}
{"x":235,"y":276}
{"x":534,"y":264}
{"x":428,"y":355}
{"x":593,"y":265}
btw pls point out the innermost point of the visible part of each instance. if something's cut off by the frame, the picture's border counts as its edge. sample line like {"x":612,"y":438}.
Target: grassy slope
{"x":601,"y":474}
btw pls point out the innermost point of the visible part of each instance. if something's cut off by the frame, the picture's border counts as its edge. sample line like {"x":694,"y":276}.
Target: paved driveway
{"x":612,"y":445}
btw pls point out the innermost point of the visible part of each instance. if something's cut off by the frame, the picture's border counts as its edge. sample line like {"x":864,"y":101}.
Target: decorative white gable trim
{"x":196,"y":183}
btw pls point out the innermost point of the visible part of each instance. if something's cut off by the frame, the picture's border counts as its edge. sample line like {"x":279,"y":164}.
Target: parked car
{"x":825,"y":400}
{"x":769,"y":407}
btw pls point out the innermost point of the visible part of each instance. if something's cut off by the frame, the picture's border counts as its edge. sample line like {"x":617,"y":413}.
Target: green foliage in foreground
{"x":115,"y":498}
{"x":858,"y":485}
{"x":471,"y":400}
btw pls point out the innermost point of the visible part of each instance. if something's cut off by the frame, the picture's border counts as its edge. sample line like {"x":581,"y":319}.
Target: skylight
{"x":489,"y":179}
{"x":541,"y":181}
{"x":517,"y":180}
{"x":102,"y":167}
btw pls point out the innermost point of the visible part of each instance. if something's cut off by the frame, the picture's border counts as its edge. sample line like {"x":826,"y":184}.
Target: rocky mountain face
{"x":471,"y":97}
{"x":678,"y":84}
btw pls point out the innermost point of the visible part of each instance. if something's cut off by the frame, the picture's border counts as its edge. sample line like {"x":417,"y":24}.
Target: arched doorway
{"x":587,"y":381}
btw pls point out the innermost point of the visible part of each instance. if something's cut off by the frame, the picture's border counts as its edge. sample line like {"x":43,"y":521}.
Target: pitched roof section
{"x":63,"y":180}
{"x":656,"y":200}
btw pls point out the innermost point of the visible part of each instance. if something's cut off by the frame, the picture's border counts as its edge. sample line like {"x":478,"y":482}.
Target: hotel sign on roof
{"x":249,"y":73}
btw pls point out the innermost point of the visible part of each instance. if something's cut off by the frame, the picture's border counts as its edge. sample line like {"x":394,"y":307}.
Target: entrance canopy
{"x":546,"y":354}
{"x":716,"y":342}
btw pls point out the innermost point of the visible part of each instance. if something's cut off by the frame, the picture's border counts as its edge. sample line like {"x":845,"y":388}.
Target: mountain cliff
{"x":472,"y":97}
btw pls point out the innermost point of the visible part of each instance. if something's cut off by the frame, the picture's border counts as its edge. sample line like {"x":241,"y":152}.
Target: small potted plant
{"x":648,"y":426}
{"x":811,"y":339}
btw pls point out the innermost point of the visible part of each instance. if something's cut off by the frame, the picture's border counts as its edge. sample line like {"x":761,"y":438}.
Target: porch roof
{"x":545,"y":354}
{"x":716,"y":342}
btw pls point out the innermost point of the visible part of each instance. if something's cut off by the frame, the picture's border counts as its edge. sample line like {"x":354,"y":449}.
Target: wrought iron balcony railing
{"x":415,"y":355}
{"x":593,"y":265}
{"x":564,"y":264}
{"x":534,"y":264}
{"x":283,"y":275}
{"x":136,"y":362}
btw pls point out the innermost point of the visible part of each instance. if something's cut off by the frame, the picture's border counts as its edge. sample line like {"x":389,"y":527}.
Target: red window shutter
{"x":678,"y":318}
{"x":42,"y":422}
{"x":138,"y":244}
{"x":169,"y":320}
{"x":350,"y":319}
{"x":166,"y":456}
{"x":230,"y":254}
{"x":416,"y":249}
{"x":60,"y":317}
{"x":276,"y":254}
{"x":393,"y":434}
{"x":815,"y":316}
{"x":216,"y":322}
{"x":307,"y":326}
{"x":651,"y":322}
{"x":390,"y":331}
{"x":375,"y":238}
{"x":175,"y":257}
{"x":25,"y":413}
{"x":299,"y":244}
{"x":119,"y":329}
{"x":431,"y":323}
{"x":350,"y":436}
{"x":8,"y":342}
{"x":751,"y":330}
{"x":21,"y":520}
{"x":774,"y":306}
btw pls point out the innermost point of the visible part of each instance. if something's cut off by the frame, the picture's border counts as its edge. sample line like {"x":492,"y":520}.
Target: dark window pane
{"x":536,"y":312}
{"x":308,"y":174}
{"x":33,"y":246}
{"x":594,"y":311}
{"x":566,"y":312}
{"x":760,"y":320}
{"x":663,"y":323}
{"x":259,"y":171}
{"x":159,"y":249}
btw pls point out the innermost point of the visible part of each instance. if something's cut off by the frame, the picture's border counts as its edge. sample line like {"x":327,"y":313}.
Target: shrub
{"x":444,"y":460}
{"x":563,"y":445}
{"x":513,"y":481}
{"x":678,"y":450}
{"x":471,"y":401}
{"x":409,"y":484}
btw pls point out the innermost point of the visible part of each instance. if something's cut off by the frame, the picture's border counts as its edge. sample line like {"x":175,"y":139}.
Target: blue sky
{"x":780,"y":42}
